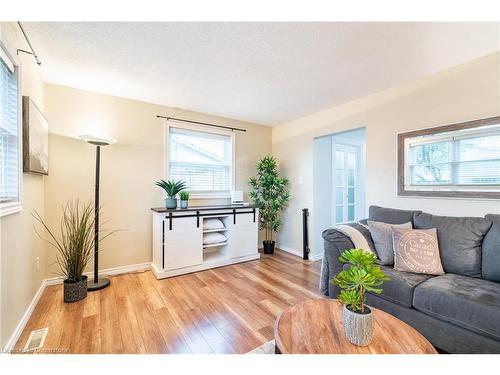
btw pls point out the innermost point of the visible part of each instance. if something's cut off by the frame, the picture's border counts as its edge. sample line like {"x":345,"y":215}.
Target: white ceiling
{"x":266,"y":73}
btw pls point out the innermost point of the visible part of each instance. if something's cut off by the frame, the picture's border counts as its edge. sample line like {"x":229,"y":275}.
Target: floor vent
{"x":36,"y":340}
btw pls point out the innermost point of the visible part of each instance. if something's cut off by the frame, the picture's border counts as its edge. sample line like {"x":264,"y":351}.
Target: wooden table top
{"x":315,"y":327}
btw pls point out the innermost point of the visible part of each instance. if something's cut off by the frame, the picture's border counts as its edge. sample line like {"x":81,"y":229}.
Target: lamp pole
{"x":97,"y":283}
{"x":96,"y":220}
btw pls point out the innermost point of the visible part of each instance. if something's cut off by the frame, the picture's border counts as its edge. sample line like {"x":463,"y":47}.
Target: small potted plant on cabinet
{"x":363,"y":275}
{"x":172,"y":188}
{"x":75,"y":247}
{"x":184,"y":195}
{"x":270,"y":194}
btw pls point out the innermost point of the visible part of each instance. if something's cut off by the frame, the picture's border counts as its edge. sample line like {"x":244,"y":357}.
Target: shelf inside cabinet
{"x":214,"y":230}
{"x":215,"y":245}
{"x":214,"y":256}
{"x":221,"y":216}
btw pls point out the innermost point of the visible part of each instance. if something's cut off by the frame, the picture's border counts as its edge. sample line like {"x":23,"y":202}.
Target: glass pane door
{"x":345,"y":170}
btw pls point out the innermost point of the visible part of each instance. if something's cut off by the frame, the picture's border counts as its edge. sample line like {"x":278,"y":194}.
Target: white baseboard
{"x":317,"y":256}
{"x":58,"y":280}
{"x":107,"y":272}
{"x":24,"y":319}
{"x":298,"y":253}
{"x":124,"y":269}
{"x":289,"y":250}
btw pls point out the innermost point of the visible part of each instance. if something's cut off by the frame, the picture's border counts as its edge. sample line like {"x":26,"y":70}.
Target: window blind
{"x":9,"y":132}
{"x":457,"y":160}
{"x":201,"y":159}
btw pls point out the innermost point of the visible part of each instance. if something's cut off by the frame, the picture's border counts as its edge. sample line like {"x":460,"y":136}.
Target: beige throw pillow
{"x":416,"y":251}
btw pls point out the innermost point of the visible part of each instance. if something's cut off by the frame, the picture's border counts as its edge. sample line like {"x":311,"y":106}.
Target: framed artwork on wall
{"x":454,"y":161}
{"x":35,"y":139}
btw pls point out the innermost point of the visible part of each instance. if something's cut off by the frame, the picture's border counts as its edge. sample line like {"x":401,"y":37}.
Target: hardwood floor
{"x":225,"y":310}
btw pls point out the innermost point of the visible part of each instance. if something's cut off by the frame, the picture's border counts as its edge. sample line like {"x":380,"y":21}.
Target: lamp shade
{"x":97,"y":141}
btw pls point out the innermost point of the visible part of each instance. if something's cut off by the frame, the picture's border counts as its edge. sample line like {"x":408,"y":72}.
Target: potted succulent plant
{"x":172,"y":188}
{"x":184,"y":195}
{"x":270,"y":194}
{"x":362,"y":275}
{"x":75,"y":246}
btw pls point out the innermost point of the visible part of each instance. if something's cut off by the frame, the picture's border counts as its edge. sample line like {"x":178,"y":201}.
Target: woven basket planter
{"x":74,"y":292}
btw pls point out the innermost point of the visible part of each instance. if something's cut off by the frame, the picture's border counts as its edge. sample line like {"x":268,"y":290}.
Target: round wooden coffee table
{"x":315,"y":327}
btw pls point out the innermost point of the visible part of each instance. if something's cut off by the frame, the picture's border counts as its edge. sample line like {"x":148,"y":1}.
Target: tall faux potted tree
{"x":74,"y":245}
{"x":362,"y":275}
{"x":270,"y":194}
{"x":172,"y":188}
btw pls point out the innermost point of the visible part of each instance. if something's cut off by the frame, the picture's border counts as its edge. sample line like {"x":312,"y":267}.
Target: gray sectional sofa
{"x":458,"y":312}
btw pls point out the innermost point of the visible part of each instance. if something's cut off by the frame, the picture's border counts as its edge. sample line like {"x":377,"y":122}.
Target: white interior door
{"x":346,"y":182}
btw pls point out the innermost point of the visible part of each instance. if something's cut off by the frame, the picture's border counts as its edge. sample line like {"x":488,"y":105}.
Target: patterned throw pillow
{"x":416,"y":251}
{"x":382,"y":237}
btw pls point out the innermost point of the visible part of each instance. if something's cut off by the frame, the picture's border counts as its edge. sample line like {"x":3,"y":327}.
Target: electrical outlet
{"x":37,"y":264}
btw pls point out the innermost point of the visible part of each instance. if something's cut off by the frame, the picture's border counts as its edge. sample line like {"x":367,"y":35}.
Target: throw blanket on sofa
{"x":359,"y":234}
{"x":358,"y":237}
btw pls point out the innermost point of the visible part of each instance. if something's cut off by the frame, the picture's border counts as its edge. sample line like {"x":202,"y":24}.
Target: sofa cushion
{"x":468,"y":302}
{"x":382,"y":238}
{"x":399,"y":289}
{"x":491,"y":250}
{"x":460,"y":240}
{"x":390,"y":215}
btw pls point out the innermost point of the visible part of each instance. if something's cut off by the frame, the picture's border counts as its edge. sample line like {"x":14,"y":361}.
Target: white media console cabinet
{"x":178,"y":238}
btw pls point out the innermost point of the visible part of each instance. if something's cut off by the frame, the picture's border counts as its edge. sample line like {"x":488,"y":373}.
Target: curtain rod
{"x":201,"y":123}
{"x":29,"y":44}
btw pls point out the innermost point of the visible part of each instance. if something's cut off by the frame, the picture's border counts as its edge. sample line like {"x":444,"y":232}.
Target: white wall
{"x":466,"y":92}
{"x":19,"y":245}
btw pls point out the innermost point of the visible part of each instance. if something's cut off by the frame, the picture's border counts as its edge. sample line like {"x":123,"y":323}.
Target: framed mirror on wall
{"x":457,"y":161}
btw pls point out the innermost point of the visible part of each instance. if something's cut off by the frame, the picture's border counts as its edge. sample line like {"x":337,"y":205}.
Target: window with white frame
{"x":201,"y":158}
{"x":10,"y":135}
{"x":463,"y":160}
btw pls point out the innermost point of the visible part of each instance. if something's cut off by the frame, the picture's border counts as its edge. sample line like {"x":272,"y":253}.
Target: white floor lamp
{"x":97,"y":283}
